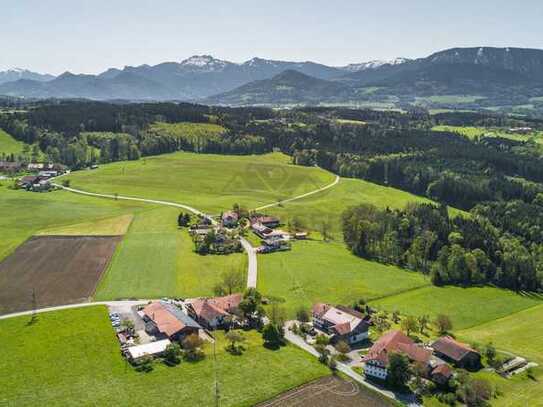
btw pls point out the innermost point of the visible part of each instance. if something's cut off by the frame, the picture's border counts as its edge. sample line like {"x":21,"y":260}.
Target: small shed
{"x":152,"y":349}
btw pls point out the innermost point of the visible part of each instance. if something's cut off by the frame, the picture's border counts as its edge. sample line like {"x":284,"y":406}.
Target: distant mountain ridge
{"x":480,"y":71}
{"x":16,"y":74}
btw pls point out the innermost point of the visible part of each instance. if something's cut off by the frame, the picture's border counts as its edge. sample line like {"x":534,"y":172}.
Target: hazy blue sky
{"x":89,"y":36}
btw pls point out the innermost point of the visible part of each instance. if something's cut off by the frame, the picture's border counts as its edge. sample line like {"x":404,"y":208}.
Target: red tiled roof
{"x":320,"y":309}
{"x":388,"y":343}
{"x":342,"y":329}
{"x":443,"y":370}
{"x":210,"y":308}
{"x":230,"y":215}
{"x":415,"y":353}
{"x":451,"y":348}
{"x":164,"y":320}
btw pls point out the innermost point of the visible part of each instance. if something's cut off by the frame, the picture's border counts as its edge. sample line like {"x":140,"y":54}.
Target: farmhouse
{"x":441,"y":374}
{"x":260,"y":230}
{"x":458,"y":353}
{"x":163,"y":319}
{"x":134,"y":353}
{"x":213,"y":312}
{"x":341,"y":323}
{"x":268,"y":221}
{"x":376,"y":360}
{"x":8,"y":166}
{"x":230,"y":219}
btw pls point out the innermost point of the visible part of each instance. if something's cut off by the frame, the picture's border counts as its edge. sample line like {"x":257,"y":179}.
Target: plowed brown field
{"x":58,"y":269}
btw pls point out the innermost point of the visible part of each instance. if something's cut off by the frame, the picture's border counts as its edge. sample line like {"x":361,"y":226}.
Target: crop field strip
{"x":53,"y":270}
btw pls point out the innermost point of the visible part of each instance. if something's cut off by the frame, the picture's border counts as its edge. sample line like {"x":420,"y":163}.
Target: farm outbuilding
{"x":135,"y":353}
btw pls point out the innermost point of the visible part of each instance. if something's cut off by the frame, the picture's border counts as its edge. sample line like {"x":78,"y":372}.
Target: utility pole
{"x":34,"y":307}
{"x":217,"y":391}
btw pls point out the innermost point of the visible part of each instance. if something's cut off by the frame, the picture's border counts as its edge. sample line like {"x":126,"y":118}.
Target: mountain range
{"x":485,"y":72}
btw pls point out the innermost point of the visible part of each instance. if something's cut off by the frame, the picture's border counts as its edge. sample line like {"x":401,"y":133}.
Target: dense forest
{"x":462,"y":250}
{"x":498,"y":179}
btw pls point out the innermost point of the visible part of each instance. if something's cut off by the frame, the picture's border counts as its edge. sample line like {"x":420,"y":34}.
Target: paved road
{"x":120,"y":304}
{"x":316,"y":191}
{"x":252,"y":266}
{"x":298,"y":341}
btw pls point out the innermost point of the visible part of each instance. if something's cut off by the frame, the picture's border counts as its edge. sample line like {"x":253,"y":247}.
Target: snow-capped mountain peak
{"x":204,"y":63}
{"x":374,"y":64}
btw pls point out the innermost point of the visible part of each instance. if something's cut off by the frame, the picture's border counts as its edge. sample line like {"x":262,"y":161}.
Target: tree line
{"x":464,"y":250}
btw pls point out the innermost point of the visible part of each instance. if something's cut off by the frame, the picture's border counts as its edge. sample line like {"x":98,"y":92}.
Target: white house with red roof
{"x":341,"y":323}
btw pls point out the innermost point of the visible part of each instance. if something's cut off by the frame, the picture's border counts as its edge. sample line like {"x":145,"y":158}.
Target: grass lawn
{"x":72,"y":357}
{"x":156,"y":259}
{"x":23,"y":214}
{"x":9,"y":145}
{"x":315,"y":271}
{"x":330,"y":204}
{"x":467,"y":307}
{"x":208,"y":182}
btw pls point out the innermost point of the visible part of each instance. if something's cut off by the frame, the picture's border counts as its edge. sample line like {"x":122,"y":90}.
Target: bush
{"x":302,"y":315}
{"x":172,"y":355}
{"x":322,"y":340}
{"x":145,"y":364}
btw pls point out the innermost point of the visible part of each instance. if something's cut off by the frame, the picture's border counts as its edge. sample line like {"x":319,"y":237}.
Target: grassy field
{"x":520,"y":333}
{"x":209,"y":182}
{"x":194,"y":132}
{"x":473,"y":132}
{"x":24,"y":214}
{"x":449,"y":99}
{"x":8,"y":144}
{"x":467,"y":307}
{"x":72,"y":357}
{"x":328,"y":206}
{"x":317,"y":271}
{"x":116,"y":226}
{"x":156,"y":259}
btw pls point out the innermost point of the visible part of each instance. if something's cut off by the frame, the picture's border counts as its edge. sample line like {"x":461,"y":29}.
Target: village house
{"x":341,"y":323}
{"x":165,"y":320}
{"x":230,"y":219}
{"x":10,"y":167}
{"x":457,"y":353}
{"x":441,"y":374}
{"x":376,"y":360}
{"x":213,"y":313}
{"x":268,"y":221}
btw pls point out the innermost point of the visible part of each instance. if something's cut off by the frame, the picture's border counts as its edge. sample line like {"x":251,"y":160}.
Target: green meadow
{"x":72,"y":357}
{"x":316,"y":271}
{"x":156,"y":259}
{"x":327,"y":206}
{"x":467,"y":307}
{"x":473,"y":132}
{"x":9,"y":145}
{"x":208,"y":182}
{"x":24,"y":214}
{"x":520,"y":333}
